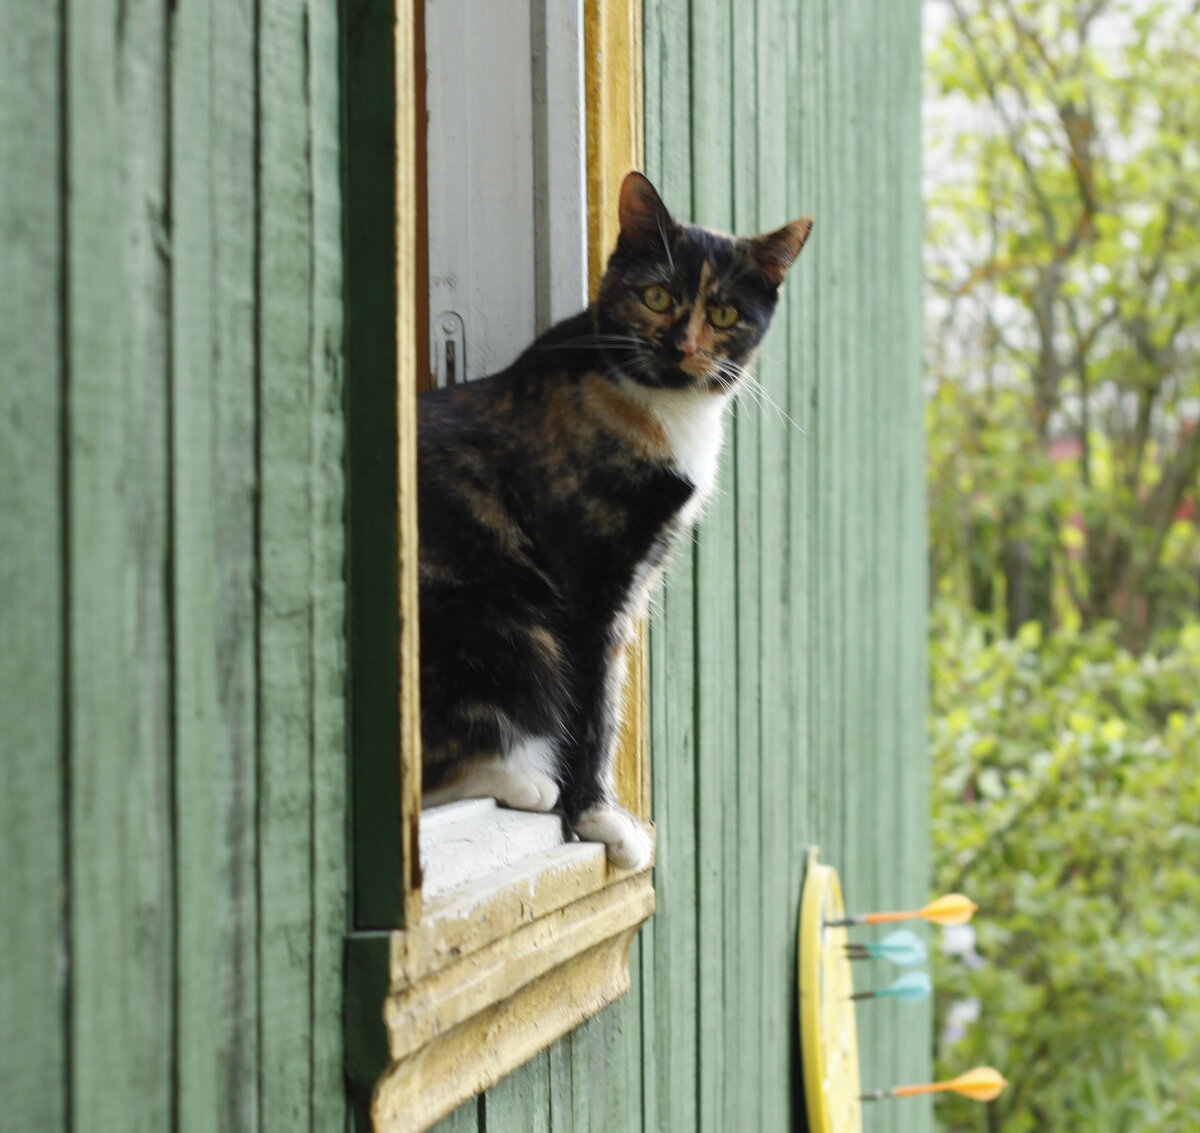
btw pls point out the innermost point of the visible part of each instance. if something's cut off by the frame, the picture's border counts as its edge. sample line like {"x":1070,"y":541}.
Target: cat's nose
{"x":685,"y":342}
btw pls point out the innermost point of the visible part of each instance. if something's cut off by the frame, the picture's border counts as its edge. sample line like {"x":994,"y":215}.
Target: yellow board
{"x":828,"y":1029}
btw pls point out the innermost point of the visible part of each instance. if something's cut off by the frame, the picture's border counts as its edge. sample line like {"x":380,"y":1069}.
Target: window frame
{"x":472,"y":984}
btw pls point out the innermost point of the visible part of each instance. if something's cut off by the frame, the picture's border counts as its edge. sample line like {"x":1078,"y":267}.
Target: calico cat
{"x":550,"y":496}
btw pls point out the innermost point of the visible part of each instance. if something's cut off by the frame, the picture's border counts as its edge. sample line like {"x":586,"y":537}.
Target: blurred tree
{"x":1065,"y":801}
{"x":1062,"y":250}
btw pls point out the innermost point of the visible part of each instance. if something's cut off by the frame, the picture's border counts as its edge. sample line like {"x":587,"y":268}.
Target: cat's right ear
{"x":644,"y":217}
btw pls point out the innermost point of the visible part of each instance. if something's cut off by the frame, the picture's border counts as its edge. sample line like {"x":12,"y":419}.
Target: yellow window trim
{"x":482,"y":979}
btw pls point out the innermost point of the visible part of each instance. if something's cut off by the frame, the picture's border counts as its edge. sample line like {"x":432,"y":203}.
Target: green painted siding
{"x":787,"y":657}
{"x":172,"y":525}
{"x":171,"y":682}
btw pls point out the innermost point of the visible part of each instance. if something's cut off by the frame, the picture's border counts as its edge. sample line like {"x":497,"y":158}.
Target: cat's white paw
{"x":521,"y":789}
{"x":628,"y":845}
{"x":527,"y":790}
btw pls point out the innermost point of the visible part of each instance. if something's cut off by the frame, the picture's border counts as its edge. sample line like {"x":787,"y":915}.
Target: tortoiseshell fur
{"x":551,"y":495}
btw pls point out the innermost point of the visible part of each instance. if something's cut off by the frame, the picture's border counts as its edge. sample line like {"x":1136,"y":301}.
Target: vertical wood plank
{"x":782,"y":848}
{"x":465,"y":1119}
{"x":327,"y":653}
{"x":213,"y":473}
{"x":286,"y":615}
{"x":605,"y":1090}
{"x":520,"y":1101}
{"x":914,"y":767}
{"x":672,"y":655}
{"x":301,"y":787}
{"x":804,"y":178}
{"x":120,"y":663}
{"x":829,"y":593}
{"x":567,"y":1065}
{"x":760,"y":667}
{"x":33,"y":1040}
{"x":716,"y":608}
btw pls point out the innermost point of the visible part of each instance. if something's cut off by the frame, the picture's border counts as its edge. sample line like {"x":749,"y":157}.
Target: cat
{"x":550,"y":497}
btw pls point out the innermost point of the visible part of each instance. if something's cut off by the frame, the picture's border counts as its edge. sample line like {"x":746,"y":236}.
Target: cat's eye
{"x":657,"y":298}
{"x":723,"y":316}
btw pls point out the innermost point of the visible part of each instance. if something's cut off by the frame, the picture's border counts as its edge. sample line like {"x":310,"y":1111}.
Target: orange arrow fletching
{"x":981,"y":1084}
{"x":954,"y":908}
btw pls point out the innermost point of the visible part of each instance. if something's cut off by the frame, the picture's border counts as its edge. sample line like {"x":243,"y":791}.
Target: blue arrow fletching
{"x":902,"y":947}
{"x":912,"y":987}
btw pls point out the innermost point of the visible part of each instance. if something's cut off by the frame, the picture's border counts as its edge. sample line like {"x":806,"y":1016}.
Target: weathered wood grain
{"x":672,"y":989}
{"x":521,"y":1101}
{"x":775,"y":881}
{"x":130,"y":211}
{"x":301,"y":864}
{"x":715,"y":614}
{"x":213,"y":530}
{"x":327,"y":651}
{"x":33,"y":1040}
{"x":465,"y":1119}
{"x":173,"y":440}
{"x":121,"y":901}
{"x":759,"y":670}
{"x":793,"y":729}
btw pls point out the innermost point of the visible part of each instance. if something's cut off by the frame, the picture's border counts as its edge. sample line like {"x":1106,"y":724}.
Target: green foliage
{"x":1067,"y":804}
{"x":1064,"y":285}
{"x":1064,"y":453}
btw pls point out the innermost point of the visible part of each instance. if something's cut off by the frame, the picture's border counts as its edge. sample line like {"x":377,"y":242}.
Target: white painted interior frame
{"x":507,"y":198}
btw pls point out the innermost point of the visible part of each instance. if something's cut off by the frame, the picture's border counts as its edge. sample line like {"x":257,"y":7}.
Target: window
{"x":479,"y":934}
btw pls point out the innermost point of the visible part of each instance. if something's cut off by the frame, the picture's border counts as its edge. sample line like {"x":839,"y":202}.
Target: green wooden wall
{"x":173,"y":877}
{"x":787,"y":657}
{"x":173,"y":883}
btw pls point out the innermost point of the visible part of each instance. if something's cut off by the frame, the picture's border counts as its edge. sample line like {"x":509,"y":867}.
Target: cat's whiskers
{"x":741,"y":386}
{"x":761,"y":398}
{"x":756,"y":389}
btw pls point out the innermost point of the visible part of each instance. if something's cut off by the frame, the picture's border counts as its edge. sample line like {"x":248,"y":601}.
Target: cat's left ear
{"x":775,"y":252}
{"x":644,"y":217}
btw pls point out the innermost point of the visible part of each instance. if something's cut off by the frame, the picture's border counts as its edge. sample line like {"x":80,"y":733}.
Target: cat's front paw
{"x":519,"y":788}
{"x":527,"y":790}
{"x":628,"y":844}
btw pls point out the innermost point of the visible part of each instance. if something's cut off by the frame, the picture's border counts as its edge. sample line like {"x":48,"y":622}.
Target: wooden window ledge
{"x":522,"y":937}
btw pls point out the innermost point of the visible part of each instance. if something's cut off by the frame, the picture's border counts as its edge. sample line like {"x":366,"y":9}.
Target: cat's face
{"x":685,"y":307}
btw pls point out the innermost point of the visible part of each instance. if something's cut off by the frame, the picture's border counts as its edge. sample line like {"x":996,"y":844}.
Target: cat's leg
{"x":525,"y":778}
{"x":589,"y":793}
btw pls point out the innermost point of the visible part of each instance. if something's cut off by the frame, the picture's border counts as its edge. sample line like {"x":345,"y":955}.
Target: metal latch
{"x":449,"y":349}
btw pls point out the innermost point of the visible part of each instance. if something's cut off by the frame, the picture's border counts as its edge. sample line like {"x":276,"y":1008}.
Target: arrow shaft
{"x":927,"y":1088}
{"x":887,"y":918}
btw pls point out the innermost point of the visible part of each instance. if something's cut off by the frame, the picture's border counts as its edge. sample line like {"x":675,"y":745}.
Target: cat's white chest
{"x":694,"y":424}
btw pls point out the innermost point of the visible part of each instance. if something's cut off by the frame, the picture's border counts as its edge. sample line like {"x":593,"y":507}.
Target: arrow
{"x":912,"y":987}
{"x":954,"y":908}
{"x":981,"y":1084}
{"x":902,"y":947}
